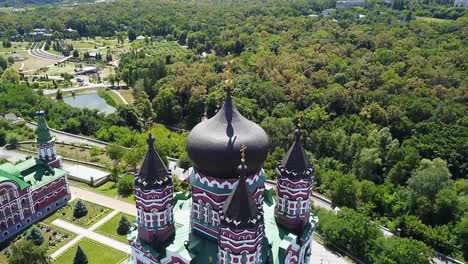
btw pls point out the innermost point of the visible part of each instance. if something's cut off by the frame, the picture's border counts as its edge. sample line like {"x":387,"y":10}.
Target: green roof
{"x":202,"y":249}
{"x":42,"y":131}
{"x":31,"y":172}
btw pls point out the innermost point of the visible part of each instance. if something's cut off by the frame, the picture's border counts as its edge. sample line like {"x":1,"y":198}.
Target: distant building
{"x":461,"y":3}
{"x":349,"y":4}
{"x":10,"y":117}
{"x":32,"y":189}
{"x":85,"y":70}
{"x":140,"y":37}
{"x":328,"y":11}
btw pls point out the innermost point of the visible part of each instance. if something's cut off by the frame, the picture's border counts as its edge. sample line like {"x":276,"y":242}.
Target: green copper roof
{"x":43,"y":133}
{"x":31,"y":172}
{"x":202,"y":249}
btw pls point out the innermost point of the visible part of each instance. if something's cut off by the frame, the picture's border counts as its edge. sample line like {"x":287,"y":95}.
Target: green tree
{"x":343,"y":189}
{"x":76,"y":54}
{"x":115,"y":152}
{"x":35,"y":235}
{"x":3,"y":64}
{"x":13,"y":140}
{"x":124,"y":226}
{"x":131,"y":35}
{"x":125,"y":185}
{"x":11,"y":74}
{"x":184,"y":161}
{"x":349,"y":230}
{"x":25,"y":252}
{"x":80,"y":209}
{"x":461,"y":230}
{"x":80,"y":256}
{"x":132,"y":158}
{"x":59,"y":95}
{"x":166,"y":107}
{"x":395,"y":250}
{"x":114,"y":175}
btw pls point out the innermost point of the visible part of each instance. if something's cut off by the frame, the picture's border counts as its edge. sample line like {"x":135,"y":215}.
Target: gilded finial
{"x":242,"y":150}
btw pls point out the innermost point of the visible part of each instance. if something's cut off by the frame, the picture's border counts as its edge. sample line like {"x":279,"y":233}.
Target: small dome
{"x":214,"y":144}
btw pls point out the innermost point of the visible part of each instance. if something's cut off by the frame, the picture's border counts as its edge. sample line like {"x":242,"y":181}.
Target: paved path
{"x":103,"y":220}
{"x":120,"y":96}
{"x":91,"y":235}
{"x":103,"y":200}
{"x":322,"y":255}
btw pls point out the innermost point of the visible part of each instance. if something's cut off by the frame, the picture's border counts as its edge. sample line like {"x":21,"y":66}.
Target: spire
{"x":240,"y":209}
{"x":153,"y":171}
{"x":42,"y":132}
{"x":295,"y":160}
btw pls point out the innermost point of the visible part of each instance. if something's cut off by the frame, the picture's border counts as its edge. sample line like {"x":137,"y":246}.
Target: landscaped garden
{"x":110,"y":228}
{"x":87,"y":214}
{"x":96,"y":253}
{"x":52,"y":237}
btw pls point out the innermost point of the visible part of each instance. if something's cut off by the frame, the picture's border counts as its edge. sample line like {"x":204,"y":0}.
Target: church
{"x":229,"y":216}
{"x":34,"y":188}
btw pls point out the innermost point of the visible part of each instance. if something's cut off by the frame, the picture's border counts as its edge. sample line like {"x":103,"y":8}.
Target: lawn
{"x":95,"y":213}
{"x":54,"y":236}
{"x":96,"y":252}
{"x":110,"y":227}
{"x":434,"y":20}
{"x":108,"y":189}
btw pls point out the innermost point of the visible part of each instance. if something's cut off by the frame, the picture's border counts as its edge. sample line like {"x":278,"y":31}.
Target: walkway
{"x":89,"y":233}
{"x":120,"y":96}
{"x":103,"y":200}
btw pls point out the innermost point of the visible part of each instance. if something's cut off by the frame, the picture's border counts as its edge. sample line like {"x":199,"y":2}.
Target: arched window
{"x":209,"y":214}
{"x":228,"y":256}
{"x":244,"y":258}
{"x":201,"y":210}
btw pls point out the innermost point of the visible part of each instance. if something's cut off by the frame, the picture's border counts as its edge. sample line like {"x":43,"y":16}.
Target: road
{"x":76,"y":88}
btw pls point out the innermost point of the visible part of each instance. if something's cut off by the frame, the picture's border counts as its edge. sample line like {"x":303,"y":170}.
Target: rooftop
{"x":31,"y":172}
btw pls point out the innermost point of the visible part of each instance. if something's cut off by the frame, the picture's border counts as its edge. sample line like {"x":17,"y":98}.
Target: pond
{"x":91,"y":101}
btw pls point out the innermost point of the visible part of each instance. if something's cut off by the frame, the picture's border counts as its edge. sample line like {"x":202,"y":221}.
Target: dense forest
{"x":383,"y":92}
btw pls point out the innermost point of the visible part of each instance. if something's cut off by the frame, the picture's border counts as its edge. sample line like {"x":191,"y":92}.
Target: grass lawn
{"x":74,"y":152}
{"x":434,"y":20}
{"x":54,"y":238}
{"x":110,"y":227}
{"x":108,"y":189}
{"x":96,"y":252}
{"x":95,"y":212}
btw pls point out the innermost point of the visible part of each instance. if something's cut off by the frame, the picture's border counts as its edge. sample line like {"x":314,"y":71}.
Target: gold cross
{"x":299,"y":119}
{"x":242,"y":150}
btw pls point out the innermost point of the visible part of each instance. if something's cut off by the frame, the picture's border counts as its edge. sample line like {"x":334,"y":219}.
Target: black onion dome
{"x":240,"y":209}
{"x":153,"y":171}
{"x":214,"y":144}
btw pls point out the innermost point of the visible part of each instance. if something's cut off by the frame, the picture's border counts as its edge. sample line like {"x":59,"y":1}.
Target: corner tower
{"x":242,"y":230}
{"x":294,"y":185}
{"x":154,"y":192}
{"x":45,"y":142}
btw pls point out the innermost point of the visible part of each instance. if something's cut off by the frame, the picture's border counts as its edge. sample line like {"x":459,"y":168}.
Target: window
{"x":48,"y":209}
{"x":244,"y":258}
{"x":5,"y":234}
{"x":28,"y":220}
{"x":18,"y":226}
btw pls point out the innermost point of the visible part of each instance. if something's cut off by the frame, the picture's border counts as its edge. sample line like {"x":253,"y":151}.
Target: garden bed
{"x":95,"y":213}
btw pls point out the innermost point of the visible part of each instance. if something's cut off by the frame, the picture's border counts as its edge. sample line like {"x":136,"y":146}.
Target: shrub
{"x":80,"y":209}
{"x":35,"y":235}
{"x":123,"y":226}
